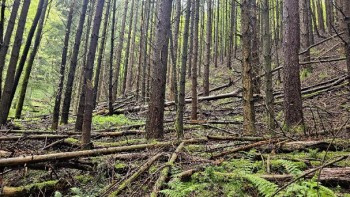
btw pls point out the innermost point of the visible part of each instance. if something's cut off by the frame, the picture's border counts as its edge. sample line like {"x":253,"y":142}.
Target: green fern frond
{"x":266,"y":188}
{"x":291,"y":167}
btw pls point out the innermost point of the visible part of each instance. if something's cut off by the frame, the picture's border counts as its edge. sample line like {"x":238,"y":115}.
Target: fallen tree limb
{"x":32,"y":137}
{"x":242,"y":148}
{"x":88,"y":153}
{"x":232,"y":138}
{"x":327,"y":175}
{"x":165,"y":172}
{"x":128,"y":181}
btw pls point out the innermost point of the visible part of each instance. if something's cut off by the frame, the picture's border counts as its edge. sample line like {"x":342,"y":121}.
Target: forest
{"x":175,"y":98}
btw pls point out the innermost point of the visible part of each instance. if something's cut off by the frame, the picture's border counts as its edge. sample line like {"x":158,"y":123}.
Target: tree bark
{"x":56,"y":109}
{"x":88,"y":87}
{"x":100,"y":54}
{"x":194,"y":62}
{"x":181,"y":104}
{"x":5,"y":103}
{"x":2,"y":23}
{"x":267,"y":64}
{"x":127,"y":55}
{"x":32,"y":55}
{"x":73,"y":65}
{"x":304,"y":29}
{"x":291,"y":85}
{"x":208,"y":50}
{"x":154,"y":123}
{"x":110,"y":78}
{"x":119,"y":51}
{"x":7,"y":39}
{"x":248,"y":103}
{"x":26,"y":48}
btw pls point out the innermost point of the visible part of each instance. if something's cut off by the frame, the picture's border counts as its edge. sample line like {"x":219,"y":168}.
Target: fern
{"x":291,"y":167}
{"x":266,"y":188}
{"x":182,"y":189}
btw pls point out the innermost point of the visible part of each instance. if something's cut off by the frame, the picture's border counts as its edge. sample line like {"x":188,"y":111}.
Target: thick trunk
{"x":58,"y":99}
{"x":181,"y":104}
{"x":291,"y":43}
{"x":32,"y":55}
{"x":248,"y":103}
{"x":9,"y":81}
{"x":88,"y":87}
{"x":154,"y":123}
{"x":73,"y":65}
{"x":144,"y":49}
{"x":320,"y":16}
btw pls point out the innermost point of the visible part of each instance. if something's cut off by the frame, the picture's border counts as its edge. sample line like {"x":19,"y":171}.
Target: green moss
{"x":120,"y":165}
{"x":71,"y":141}
{"x":100,"y":121}
{"x":84,"y":179}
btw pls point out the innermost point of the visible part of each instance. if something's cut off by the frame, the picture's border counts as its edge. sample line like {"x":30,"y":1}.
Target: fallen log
{"x":89,"y":153}
{"x":171,"y":103}
{"x":304,"y":145}
{"x":128,"y":181}
{"x":310,"y":172}
{"x":243,"y":148}
{"x":32,"y":137}
{"x":233,"y":138}
{"x":165,"y":172}
{"x":332,"y":176}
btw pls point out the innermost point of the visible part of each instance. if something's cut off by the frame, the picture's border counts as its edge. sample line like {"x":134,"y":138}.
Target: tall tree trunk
{"x":88,"y":87}
{"x":26,"y":48}
{"x":267,"y":64}
{"x":320,"y":16}
{"x":110,"y":79}
{"x":207,"y":50}
{"x":329,"y":16}
{"x":255,"y":48}
{"x":231,"y":34}
{"x":56,"y":109}
{"x":194,"y":63}
{"x":181,"y":105}
{"x":81,"y":93}
{"x":311,"y":25}
{"x":5,"y":103}
{"x":130,"y":75}
{"x":32,"y":55}
{"x":144,"y":47}
{"x":100,"y":54}
{"x":141,"y":47}
{"x":346,"y":29}
{"x":291,"y":44}
{"x":217,"y":34}
{"x":7,"y":39}
{"x":119,"y":51}
{"x":2,"y":23}
{"x":127,"y":54}
{"x":190,"y":56}
{"x":304,"y":30}
{"x":154,"y":123}
{"x":73,"y":65}
{"x":173,"y":83}
{"x":248,"y":103}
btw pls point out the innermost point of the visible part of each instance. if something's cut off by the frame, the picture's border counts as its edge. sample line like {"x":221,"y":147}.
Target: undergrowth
{"x":241,"y":177}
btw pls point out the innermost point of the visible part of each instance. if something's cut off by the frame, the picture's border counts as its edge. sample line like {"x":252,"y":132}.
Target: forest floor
{"x":216,"y":157}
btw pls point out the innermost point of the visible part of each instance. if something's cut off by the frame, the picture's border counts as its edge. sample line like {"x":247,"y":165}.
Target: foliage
{"x":115,"y":120}
{"x":239,"y":177}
